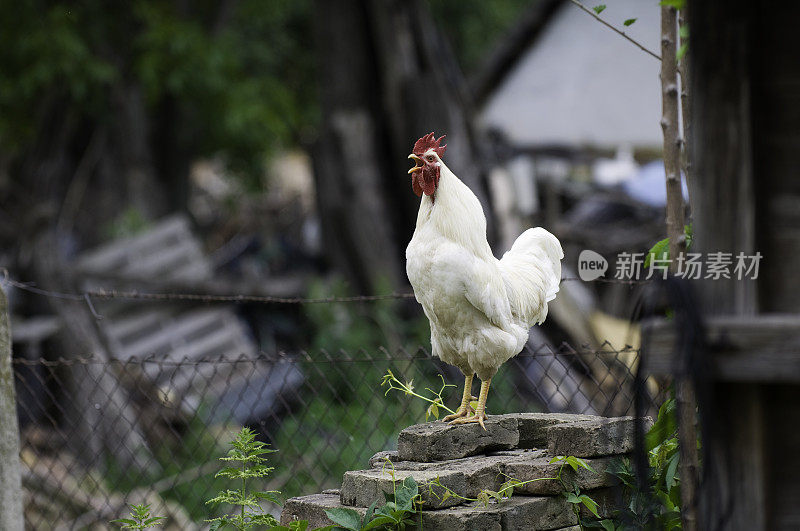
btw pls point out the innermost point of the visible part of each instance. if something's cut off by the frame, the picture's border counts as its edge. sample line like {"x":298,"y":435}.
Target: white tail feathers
{"x":531,"y":271}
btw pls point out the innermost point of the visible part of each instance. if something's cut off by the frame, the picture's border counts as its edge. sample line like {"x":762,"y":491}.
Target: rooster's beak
{"x":417,"y":160}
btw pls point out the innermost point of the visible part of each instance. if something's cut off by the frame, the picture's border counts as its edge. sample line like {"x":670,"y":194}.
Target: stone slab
{"x":519,"y":513}
{"x":461,"y":518}
{"x":525,"y":470}
{"x":533,"y":426}
{"x":312,"y":508}
{"x":481,"y":472}
{"x":380,"y":458}
{"x":440,"y":441}
{"x":593,"y":438}
{"x":533,"y":513}
{"x":362,"y":487}
{"x":515,"y":514}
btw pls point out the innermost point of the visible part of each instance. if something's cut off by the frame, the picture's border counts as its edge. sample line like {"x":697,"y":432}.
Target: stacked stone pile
{"x":466,"y":459}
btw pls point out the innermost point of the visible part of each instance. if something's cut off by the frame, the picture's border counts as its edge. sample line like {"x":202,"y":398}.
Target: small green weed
{"x":247,"y":456}
{"x":140,"y":518}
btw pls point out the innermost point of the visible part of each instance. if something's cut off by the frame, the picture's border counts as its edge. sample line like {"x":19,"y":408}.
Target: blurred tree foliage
{"x":474,"y":27}
{"x":241,"y":73}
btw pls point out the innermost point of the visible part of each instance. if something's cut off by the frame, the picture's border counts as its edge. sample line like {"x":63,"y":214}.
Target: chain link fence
{"x":99,"y":435}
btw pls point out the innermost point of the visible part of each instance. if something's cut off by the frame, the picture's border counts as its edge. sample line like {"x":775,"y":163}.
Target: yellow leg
{"x":464,"y":409}
{"x":480,"y":411}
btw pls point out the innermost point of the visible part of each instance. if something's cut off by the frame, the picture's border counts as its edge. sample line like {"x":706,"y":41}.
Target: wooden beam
{"x":11,"y":515}
{"x":743,"y":349}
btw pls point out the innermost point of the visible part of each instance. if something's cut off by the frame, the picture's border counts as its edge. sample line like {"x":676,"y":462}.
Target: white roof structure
{"x":581,"y":84}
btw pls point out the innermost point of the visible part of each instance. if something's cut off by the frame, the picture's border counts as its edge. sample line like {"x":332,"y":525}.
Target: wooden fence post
{"x":11,"y":507}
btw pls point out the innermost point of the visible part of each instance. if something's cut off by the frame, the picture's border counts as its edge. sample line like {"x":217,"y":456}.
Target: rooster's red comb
{"x":427,"y":142}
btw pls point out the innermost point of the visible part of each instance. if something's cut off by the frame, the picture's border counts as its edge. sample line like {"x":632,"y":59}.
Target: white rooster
{"x":480,"y":308}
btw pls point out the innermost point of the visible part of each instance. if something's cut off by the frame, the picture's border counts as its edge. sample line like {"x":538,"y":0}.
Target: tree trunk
{"x":387,"y":79}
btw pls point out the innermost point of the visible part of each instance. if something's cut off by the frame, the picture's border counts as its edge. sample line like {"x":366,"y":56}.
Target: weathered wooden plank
{"x":11,"y":515}
{"x":115,"y":254}
{"x":169,"y":261}
{"x":173,"y":335}
{"x":744,"y":349}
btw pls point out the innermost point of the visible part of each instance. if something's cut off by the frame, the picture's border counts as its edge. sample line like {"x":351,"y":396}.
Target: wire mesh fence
{"x":98,"y":435}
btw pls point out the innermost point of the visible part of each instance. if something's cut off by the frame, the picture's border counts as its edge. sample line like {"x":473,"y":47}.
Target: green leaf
{"x":584,"y":464}
{"x":572,"y":497}
{"x":576,"y":462}
{"x":370,"y":512}
{"x":126,"y":521}
{"x":483,"y":498}
{"x":677,"y":4}
{"x":629,"y":21}
{"x":571,"y":462}
{"x":664,"y":427}
{"x":682,"y":51}
{"x":432,"y":411}
{"x":507,"y":488}
{"x":269,"y":496}
{"x":377,"y":522}
{"x":659,"y":251}
{"x":404,"y":497}
{"x":608,"y":525}
{"x":684,"y":31}
{"x":671,"y":469}
{"x":493,"y":494}
{"x":589,"y":504}
{"x":599,"y":9}
{"x":345,"y":517}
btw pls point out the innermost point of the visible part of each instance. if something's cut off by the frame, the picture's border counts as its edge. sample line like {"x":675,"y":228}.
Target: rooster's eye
{"x":430,"y":158}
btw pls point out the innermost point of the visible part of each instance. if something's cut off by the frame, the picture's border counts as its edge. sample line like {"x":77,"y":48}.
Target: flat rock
{"x":312,"y":508}
{"x":461,"y":519}
{"x":533,"y":426}
{"x":515,"y":514}
{"x":440,"y":441}
{"x":593,"y":438}
{"x":380,"y":458}
{"x":519,"y":513}
{"x":531,"y":472}
{"x":480,"y":472}
{"x":362,"y":487}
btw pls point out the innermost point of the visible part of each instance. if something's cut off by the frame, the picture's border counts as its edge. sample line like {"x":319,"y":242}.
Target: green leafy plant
{"x":140,"y":518}
{"x":659,"y":509}
{"x":573,"y":494}
{"x":396,"y":513}
{"x":248,"y":463}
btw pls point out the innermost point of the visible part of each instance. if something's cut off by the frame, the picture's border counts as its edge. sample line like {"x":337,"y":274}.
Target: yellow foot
{"x":479,"y":418}
{"x":463,"y":411}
